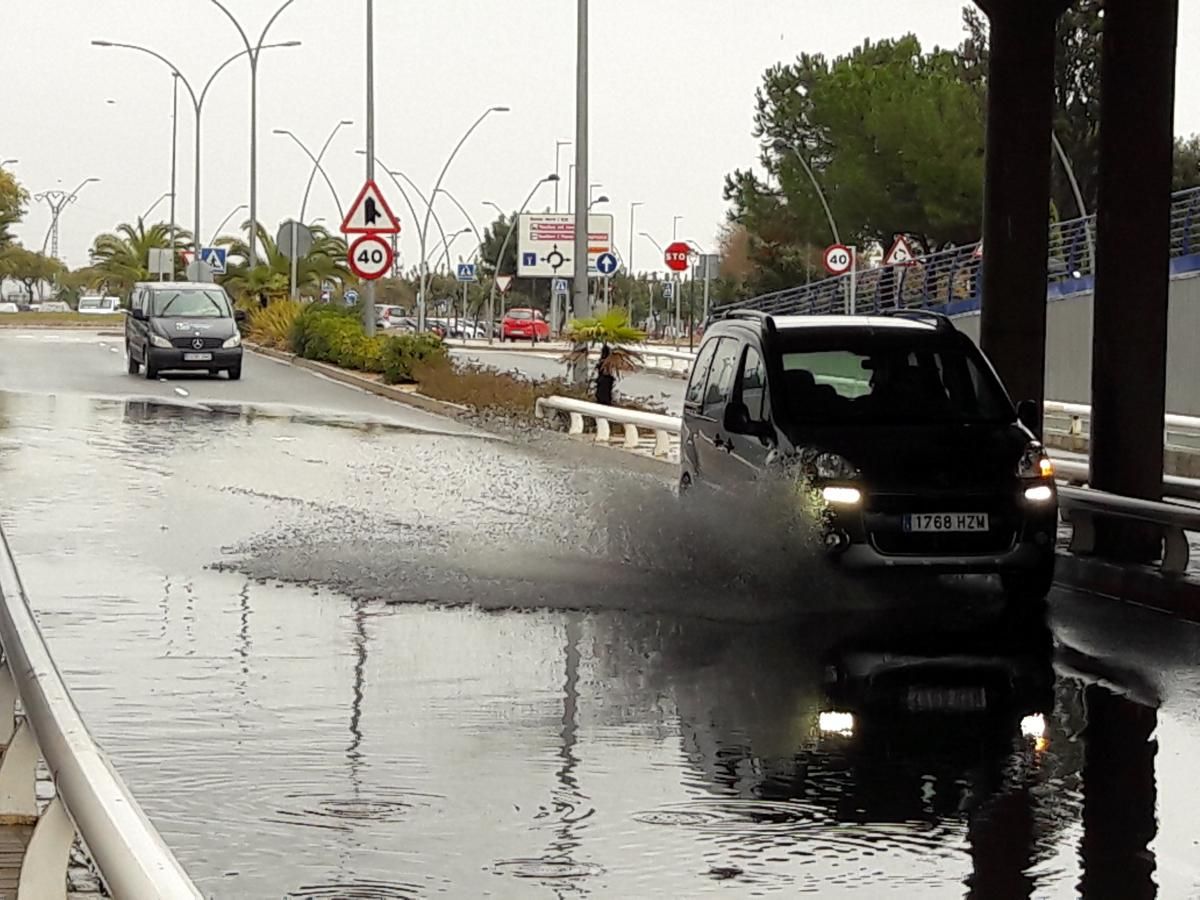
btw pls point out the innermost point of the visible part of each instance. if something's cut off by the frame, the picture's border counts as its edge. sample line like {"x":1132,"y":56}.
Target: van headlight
{"x":158,"y":340}
{"x":235,"y":341}
{"x":1035,"y":463}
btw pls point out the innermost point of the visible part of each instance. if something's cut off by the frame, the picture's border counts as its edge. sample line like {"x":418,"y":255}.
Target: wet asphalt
{"x":339,"y":648}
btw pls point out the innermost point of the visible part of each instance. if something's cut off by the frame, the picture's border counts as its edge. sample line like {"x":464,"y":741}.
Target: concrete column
{"x":1129,"y":337}
{"x":1016,"y":216}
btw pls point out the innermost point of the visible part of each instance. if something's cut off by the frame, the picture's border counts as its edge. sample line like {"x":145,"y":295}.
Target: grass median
{"x":61,"y":320}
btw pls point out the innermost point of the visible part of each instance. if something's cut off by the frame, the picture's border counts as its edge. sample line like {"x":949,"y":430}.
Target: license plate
{"x":197,"y":357}
{"x":946,"y":522}
{"x":946,"y":699}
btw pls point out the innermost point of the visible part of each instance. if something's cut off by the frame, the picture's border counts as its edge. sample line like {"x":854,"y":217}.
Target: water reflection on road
{"x":364,"y":662}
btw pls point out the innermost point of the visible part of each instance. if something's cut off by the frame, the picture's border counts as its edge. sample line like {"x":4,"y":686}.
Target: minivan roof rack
{"x":941,"y":320}
{"x":767,"y":322}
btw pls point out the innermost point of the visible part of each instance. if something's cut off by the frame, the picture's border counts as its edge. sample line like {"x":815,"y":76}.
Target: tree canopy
{"x":13,"y":198}
{"x":326,"y":261}
{"x":121,"y":258}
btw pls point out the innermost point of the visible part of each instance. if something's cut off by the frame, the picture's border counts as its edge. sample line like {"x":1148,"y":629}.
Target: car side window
{"x":752,"y":386}
{"x":720,"y":380}
{"x":135,"y":302}
{"x":695,"y":389}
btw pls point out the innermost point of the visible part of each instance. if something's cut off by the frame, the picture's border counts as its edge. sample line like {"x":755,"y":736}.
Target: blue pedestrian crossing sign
{"x":606,"y":264}
{"x":214,"y":258}
{"x":668,"y":290}
{"x":560,"y":287}
{"x":350,"y":297}
{"x":466,"y":272}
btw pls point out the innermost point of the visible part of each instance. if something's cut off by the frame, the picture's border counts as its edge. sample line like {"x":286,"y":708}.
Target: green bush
{"x":317,"y":317}
{"x":404,"y":353}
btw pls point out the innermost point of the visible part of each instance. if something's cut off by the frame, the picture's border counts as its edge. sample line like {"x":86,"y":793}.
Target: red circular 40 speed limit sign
{"x":370,"y":257}
{"x":676,"y":256}
{"x":838,"y":259}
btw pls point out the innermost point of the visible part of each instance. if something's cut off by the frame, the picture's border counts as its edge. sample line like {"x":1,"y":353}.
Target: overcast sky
{"x":672,"y":90}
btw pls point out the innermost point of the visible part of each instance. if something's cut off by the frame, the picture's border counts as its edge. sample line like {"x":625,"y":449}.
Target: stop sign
{"x":677,"y":256}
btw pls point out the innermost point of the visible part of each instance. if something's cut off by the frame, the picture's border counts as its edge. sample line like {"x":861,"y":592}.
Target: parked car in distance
{"x":524,"y":325}
{"x":389,"y":316}
{"x":898,"y":422}
{"x":183,"y":325}
{"x":9,"y":308}
{"x":99,"y":306}
{"x":55,"y":306}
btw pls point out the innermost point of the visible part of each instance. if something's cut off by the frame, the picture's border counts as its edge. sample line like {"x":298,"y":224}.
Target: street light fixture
{"x":197,"y":105}
{"x":553,"y":176}
{"x":603,"y":198}
{"x":653,"y":241}
{"x":237,"y":209}
{"x":317,"y":167}
{"x":429,"y":211}
{"x":153,"y":205}
{"x":253,"y":53}
{"x":495,"y":206}
{"x":9,"y":162}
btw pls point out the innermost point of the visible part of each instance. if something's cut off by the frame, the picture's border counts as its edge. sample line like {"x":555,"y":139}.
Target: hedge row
{"x":335,"y":335}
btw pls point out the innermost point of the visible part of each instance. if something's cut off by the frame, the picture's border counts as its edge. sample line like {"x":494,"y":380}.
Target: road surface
{"x":337,"y":655}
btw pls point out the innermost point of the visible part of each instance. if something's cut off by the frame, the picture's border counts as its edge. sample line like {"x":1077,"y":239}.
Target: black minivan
{"x":182,"y":325}
{"x":897,"y":421}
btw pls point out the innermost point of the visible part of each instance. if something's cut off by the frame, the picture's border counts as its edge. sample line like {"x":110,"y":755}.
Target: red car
{"x":525,"y":325}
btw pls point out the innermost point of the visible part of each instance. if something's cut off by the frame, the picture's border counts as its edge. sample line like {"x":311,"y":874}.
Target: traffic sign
{"x":546,"y":244}
{"x":677,"y":255}
{"x":370,"y":257}
{"x":466,"y":272}
{"x":215,"y":258}
{"x":606,"y":264}
{"x":901,"y":253}
{"x":304,"y":239}
{"x":978,"y":254}
{"x":325,"y":295}
{"x":560,"y":287}
{"x":504,"y":282}
{"x":199,"y":270}
{"x":668,"y":290}
{"x":370,"y":213}
{"x":350,"y":297}
{"x":838,"y":259}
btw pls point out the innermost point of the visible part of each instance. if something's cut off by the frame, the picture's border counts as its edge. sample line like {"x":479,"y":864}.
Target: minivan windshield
{"x":190,"y":303}
{"x":886,"y":379}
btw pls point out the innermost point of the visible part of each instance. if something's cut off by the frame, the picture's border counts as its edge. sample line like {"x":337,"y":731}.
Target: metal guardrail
{"x":1179,"y":432}
{"x":90,"y":798}
{"x":948,"y":281}
{"x":1081,"y":507}
{"x":604,"y":416}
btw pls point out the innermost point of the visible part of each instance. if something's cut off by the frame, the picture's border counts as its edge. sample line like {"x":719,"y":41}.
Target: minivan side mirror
{"x":1027,"y":415}
{"x":138,"y":313}
{"x":737,"y":421}
{"x":239,"y":315}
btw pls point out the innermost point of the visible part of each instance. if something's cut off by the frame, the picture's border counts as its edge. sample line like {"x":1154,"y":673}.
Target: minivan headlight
{"x":158,"y":340}
{"x":235,"y":341}
{"x":1035,"y":463}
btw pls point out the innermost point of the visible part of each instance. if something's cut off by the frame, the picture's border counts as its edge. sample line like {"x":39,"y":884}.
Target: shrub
{"x":313,"y":317}
{"x":272,"y":326}
{"x":404,"y":353}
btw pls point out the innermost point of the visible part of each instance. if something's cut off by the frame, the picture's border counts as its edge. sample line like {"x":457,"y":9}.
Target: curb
{"x":1137,"y":585}
{"x":408,"y":397}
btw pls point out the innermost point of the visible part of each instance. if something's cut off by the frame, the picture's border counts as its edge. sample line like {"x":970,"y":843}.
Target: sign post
{"x":840,"y":260}
{"x":294,"y":241}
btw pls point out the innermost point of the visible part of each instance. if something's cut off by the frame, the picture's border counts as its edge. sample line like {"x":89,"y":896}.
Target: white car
{"x":56,"y":306}
{"x":8,"y":308}
{"x":99,"y":306}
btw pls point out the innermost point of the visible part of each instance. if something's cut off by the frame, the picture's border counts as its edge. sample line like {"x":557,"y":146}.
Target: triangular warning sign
{"x":503,"y":282}
{"x":978,"y":254}
{"x":900,"y":254}
{"x":370,"y":213}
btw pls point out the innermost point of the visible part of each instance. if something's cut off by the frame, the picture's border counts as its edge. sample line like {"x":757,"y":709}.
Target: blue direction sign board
{"x":466,"y":272}
{"x":215,"y":258}
{"x":668,"y":290}
{"x":606,"y":263}
{"x":350,"y":297}
{"x":560,"y":287}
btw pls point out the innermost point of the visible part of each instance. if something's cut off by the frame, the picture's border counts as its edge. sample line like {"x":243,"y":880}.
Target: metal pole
{"x":558,"y":145}
{"x":1079,"y":204}
{"x":295,"y":260}
{"x":678,"y":313}
{"x":629,"y":261}
{"x":254,"y":167}
{"x":820,"y":193}
{"x":369,"y":290}
{"x":174,"y":135}
{"x":707,"y":281}
{"x":853,"y":279}
{"x":196,"y":202}
{"x":580,"y":253}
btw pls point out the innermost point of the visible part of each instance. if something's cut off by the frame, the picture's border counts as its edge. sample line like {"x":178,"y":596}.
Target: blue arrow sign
{"x":350,"y":297}
{"x":466,"y":272}
{"x":214,"y":257}
{"x":606,"y":263}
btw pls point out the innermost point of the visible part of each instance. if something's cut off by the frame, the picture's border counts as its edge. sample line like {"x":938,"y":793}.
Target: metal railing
{"x":1081,"y":507}
{"x":948,"y":281}
{"x":631,"y":420}
{"x":1179,"y":432}
{"x":90,"y":799}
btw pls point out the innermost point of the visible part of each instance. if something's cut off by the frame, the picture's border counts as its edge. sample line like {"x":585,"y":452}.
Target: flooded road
{"x":364,"y":655}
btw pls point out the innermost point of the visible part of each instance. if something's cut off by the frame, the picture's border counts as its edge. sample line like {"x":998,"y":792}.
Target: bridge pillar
{"x":1016,"y":196}
{"x":1129,"y":336}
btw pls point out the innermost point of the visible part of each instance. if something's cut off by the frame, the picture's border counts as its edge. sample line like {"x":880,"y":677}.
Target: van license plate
{"x":946,"y":522}
{"x":946,"y":699}
{"x":197,"y":357}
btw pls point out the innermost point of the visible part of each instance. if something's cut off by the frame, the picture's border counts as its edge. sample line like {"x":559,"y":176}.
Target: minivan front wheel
{"x":151,"y":370}
{"x":131,"y":364}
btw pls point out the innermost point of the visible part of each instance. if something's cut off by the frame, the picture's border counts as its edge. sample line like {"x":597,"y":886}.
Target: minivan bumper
{"x":165,"y":360}
{"x":1021,"y":557}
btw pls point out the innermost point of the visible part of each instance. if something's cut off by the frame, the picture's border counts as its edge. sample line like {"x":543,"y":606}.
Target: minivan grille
{"x":186,"y":343}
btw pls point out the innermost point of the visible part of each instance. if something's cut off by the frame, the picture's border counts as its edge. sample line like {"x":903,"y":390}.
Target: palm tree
{"x":325,"y":261}
{"x":121,"y":258}
{"x":613,"y":333}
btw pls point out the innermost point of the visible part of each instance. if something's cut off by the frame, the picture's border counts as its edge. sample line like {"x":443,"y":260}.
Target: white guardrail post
{"x":90,"y":799}
{"x":629,"y":419}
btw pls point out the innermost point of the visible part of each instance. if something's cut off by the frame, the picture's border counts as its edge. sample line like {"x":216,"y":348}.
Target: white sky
{"x":672,"y":88}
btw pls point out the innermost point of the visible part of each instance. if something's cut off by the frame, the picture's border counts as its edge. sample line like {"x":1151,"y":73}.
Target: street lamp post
{"x":57,"y":200}
{"x":174,"y":155}
{"x":579,"y":289}
{"x":8,"y":162}
{"x":466,"y":215}
{"x":632,"y":209}
{"x":424,"y":283}
{"x":253,"y":51}
{"x":396,"y":173}
{"x":603,"y":198}
{"x":197,"y":105}
{"x":675,"y":227}
{"x":446,"y":245}
{"x":1079,"y":204}
{"x":781,"y":144}
{"x":558,"y":145}
{"x":553,"y":176}
{"x":216,"y":234}
{"x":154,"y":206}
{"x":317,"y":167}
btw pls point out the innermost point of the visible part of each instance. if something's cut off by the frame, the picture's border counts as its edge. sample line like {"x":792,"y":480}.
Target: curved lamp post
{"x":57,"y":200}
{"x":154,"y":205}
{"x":253,"y":51}
{"x":429,"y":211}
{"x":317,"y":167}
{"x":781,"y":145}
{"x":197,"y":105}
{"x":216,"y":234}
{"x":466,"y":215}
{"x":553,"y":176}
